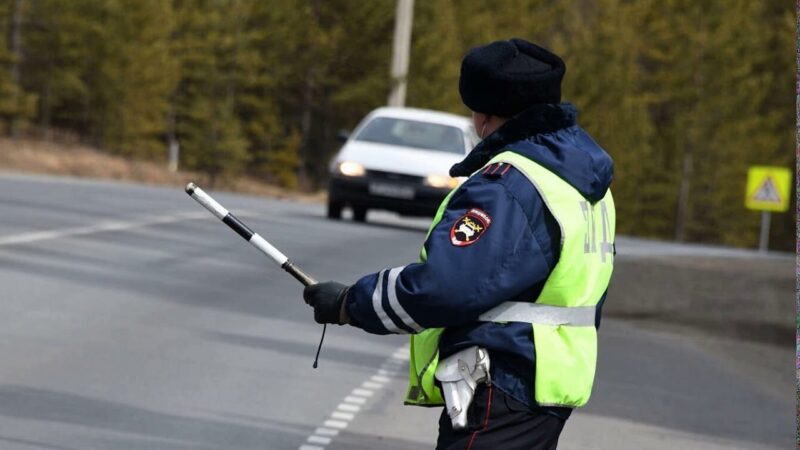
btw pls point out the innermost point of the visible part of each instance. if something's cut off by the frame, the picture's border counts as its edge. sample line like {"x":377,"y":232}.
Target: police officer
{"x":504,"y":305}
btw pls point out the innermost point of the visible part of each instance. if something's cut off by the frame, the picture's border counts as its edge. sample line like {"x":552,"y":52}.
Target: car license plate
{"x":391,"y":190}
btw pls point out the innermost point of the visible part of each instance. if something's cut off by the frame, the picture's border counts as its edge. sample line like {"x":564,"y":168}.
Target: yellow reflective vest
{"x":565,"y":337}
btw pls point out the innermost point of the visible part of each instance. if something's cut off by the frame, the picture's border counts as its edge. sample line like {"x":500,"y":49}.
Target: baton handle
{"x":247,"y":234}
{"x":298,"y":274}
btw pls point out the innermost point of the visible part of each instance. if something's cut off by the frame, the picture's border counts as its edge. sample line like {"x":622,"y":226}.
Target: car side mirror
{"x":342,"y":136}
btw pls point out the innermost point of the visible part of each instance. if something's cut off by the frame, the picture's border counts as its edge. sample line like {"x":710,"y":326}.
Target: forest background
{"x":684,"y":94}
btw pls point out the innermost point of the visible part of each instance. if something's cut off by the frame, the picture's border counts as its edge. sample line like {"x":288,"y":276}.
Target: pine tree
{"x":340,"y":72}
{"x":16,"y":105}
{"x":135,"y":78}
{"x":435,"y":53}
{"x":263,"y":62}
{"x":62,"y":42}
{"x":726,"y":121}
{"x":210,"y":132}
{"x":601,"y":46}
{"x":712,"y":110}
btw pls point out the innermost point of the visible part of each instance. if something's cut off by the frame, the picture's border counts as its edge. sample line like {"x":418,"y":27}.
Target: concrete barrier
{"x":734,"y":295}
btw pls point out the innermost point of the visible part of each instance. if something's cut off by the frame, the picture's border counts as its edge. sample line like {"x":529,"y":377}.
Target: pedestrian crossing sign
{"x":768,"y":188}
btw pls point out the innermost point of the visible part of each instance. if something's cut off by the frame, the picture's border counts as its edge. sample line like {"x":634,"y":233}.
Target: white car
{"x":398,"y":159}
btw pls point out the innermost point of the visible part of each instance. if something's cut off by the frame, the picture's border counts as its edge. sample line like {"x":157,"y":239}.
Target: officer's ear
{"x":480,"y":121}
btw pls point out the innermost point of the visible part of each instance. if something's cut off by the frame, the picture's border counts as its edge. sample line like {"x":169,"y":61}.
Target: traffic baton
{"x":256,"y":241}
{"x":249,"y":235}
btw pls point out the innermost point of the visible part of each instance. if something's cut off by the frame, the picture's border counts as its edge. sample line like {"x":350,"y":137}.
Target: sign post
{"x":763,"y":239}
{"x":767,"y":191}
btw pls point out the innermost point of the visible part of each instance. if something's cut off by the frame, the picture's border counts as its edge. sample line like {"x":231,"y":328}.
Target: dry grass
{"x":45,"y":157}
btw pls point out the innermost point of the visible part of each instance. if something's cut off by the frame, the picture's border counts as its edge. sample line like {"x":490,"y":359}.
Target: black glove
{"x":326,"y":299}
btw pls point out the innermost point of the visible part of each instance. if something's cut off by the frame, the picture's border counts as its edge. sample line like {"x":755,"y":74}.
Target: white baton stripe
{"x":268,"y":249}
{"x":391,"y":289}
{"x":209,"y":203}
{"x":377,"y":305}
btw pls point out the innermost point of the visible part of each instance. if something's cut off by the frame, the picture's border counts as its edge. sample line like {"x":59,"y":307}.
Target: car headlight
{"x":441,"y":181}
{"x":351,"y":169}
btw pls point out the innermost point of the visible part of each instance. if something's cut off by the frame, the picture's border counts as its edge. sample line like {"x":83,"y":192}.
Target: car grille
{"x":390,"y":176}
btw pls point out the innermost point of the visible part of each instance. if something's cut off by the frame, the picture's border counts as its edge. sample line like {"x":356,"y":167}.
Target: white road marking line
{"x":348,"y":407}
{"x":335,"y":424}
{"x":362,"y":392}
{"x":37,"y":236}
{"x":379,"y":379}
{"x":342,"y":415}
{"x":401,"y":354}
{"x":356,"y":400}
{"x":346,"y":410}
{"x":325,"y":432}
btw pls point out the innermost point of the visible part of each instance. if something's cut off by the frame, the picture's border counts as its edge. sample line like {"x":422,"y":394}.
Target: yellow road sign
{"x":768,"y":188}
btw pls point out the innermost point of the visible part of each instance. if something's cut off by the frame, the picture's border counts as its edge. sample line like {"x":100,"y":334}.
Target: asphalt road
{"x":132,"y":319}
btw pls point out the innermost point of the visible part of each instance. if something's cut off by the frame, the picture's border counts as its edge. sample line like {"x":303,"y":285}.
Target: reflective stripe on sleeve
{"x":394,"y":303}
{"x":377,"y":305}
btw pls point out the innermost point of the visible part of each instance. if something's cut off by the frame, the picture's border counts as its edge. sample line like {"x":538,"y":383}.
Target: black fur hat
{"x":506,"y":77}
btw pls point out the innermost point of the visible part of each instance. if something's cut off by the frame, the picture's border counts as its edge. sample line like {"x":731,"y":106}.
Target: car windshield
{"x":410,"y":133}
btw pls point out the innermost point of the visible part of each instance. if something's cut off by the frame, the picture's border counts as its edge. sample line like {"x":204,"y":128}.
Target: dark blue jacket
{"x":510,"y":260}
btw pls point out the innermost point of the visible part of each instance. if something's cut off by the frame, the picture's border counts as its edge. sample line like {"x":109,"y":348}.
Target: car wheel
{"x":359,"y":214}
{"x":334,"y":210}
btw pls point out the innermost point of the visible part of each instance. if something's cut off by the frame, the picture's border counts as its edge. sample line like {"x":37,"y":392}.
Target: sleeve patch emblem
{"x":469,"y":228}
